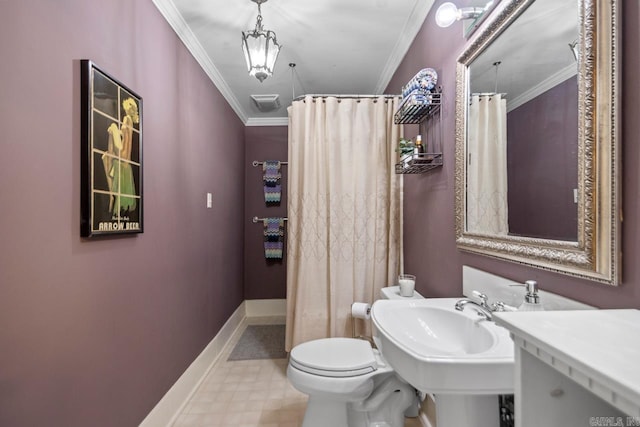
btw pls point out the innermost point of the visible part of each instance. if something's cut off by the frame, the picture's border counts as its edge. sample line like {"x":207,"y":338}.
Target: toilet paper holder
{"x":360,"y":310}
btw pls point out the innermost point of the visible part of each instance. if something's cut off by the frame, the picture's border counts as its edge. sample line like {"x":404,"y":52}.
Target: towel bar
{"x":256,"y":219}
{"x":257,"y":163}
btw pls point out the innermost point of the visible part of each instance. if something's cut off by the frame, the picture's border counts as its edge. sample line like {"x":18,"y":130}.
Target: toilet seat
{"x":334,"y":357}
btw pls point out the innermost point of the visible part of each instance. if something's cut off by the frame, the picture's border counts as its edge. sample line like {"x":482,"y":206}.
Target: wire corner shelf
{"x":410,"y":112}
{"x":418,"y":163}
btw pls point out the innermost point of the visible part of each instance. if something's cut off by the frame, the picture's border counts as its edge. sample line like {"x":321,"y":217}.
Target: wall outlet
{"x":209,"y":201}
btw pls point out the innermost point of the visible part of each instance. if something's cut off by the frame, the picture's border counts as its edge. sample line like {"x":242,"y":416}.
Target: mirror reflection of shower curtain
{"x":487,"y":165}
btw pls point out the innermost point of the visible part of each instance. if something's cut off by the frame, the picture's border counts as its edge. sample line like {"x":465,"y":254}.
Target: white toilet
{"x":349,"y":383}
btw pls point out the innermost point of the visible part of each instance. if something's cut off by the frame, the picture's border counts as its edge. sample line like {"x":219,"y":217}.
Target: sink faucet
{"x":482,"y":308}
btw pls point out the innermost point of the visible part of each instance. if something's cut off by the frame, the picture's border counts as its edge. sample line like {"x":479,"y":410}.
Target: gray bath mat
{"x":260,"y":342}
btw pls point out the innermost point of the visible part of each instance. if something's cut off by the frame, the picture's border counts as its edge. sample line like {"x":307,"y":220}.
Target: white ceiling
{"x":338,"y":46}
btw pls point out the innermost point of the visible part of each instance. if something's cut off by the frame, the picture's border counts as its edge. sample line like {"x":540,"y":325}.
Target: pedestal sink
{"x":464,"y":360}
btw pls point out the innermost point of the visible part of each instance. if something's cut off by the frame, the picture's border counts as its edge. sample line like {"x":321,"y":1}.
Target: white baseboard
{"x":266,"y":307}
{"x":172,"y":403}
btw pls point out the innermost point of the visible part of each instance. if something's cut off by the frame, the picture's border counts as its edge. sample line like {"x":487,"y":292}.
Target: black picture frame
{"x":111,"y":155}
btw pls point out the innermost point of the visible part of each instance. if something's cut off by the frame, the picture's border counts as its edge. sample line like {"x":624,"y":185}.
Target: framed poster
{"x":111,"y":167}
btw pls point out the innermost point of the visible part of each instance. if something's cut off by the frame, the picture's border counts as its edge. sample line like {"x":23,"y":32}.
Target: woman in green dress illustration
{"x":117,"y":161}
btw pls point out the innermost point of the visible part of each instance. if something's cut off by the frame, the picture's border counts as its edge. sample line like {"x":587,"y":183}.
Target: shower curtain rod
{"x":314,"y":96}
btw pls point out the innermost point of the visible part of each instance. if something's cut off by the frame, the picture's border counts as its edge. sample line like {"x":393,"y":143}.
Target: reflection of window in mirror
{"x":523,"y":128}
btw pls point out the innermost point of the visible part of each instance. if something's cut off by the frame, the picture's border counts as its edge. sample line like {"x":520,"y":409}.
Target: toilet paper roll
{"x":361,"y":310}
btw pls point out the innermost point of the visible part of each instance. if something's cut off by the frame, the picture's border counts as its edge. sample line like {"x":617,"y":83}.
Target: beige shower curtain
{"x":487,"y":165}
{"x":344,"y":235}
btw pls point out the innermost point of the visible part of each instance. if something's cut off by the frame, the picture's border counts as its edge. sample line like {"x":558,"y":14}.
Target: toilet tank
{"x":393,"y":292}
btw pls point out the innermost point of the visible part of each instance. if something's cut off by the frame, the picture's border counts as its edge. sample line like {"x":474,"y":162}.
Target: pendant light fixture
{"x":260,"y":48}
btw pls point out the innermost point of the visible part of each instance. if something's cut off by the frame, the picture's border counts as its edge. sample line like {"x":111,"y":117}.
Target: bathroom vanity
{"x":576,"y":368}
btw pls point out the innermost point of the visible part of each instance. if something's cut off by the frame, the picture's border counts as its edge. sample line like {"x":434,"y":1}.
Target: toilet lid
{"x":334,"y":357}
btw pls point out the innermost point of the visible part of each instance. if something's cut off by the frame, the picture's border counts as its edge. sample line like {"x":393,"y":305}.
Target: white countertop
{"x":599,"y":349}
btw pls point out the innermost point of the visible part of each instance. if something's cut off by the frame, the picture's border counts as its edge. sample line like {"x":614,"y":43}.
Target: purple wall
{"x":93,"y":333}
{"x":542,"y":145}
{"x":263,"y":278}
{"x":430,"y":247}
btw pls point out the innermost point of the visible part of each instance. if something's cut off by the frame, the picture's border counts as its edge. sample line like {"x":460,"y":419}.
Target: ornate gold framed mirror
{"x":537,"y":158}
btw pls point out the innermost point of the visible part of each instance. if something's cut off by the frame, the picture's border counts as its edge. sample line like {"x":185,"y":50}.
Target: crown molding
{"x":548,"y":83}
{"x":171,"y":14}
{"x":267,"y":121}
{"x":412,"y":26}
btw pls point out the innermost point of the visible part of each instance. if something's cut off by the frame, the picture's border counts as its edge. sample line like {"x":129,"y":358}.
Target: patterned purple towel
{"x":271,"y":179}
{"x":273,"y":237}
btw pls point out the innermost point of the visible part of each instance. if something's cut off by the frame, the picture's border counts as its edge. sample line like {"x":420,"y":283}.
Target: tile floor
{"x":247,"y":393}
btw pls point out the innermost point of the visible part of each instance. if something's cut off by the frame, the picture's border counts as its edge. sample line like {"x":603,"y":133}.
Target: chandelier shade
{"x":260,"y":49}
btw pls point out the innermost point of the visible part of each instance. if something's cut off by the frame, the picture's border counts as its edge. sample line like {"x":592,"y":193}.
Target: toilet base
{"x":323,"y":412}
{"x":384,"y":408}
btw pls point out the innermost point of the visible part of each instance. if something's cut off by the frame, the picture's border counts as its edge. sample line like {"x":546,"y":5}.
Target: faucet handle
{"x":483,"y":298}
{"x":501,"y":306}
{"x":497,"y":306}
